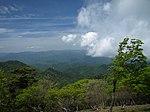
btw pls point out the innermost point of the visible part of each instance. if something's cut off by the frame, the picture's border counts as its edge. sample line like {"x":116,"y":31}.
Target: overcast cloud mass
{"x":106,"y":23}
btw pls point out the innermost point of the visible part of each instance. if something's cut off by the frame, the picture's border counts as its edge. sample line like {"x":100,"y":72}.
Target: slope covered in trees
{"x":11,"y":65}
{"x":69,"y":75}
{"x":81,"y":72}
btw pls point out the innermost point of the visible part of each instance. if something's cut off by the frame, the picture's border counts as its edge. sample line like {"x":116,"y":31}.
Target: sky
{"x":94,"y":25}
{"x":37,"y":25}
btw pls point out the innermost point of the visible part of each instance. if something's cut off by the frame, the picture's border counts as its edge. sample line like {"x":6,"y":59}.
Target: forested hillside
{"x":9,"y":66}
{"x":63,"y":77}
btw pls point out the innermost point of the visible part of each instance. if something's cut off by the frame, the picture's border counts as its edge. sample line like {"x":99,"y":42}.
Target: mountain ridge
{"x":59,"y":59}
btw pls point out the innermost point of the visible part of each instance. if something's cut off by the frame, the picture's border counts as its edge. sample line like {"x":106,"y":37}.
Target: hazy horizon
{"x":48,"y":51}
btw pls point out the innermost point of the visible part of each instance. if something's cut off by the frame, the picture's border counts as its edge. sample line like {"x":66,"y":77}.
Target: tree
{"x":53,"y":101}
{"x":127,"y":63}
{"x":4,"y":93}
{"x":72,"y":95}
{"x":96,"y":95}
{"x":69,"y":98}
{"x":32,"y":98}
{"x":142,"y":84}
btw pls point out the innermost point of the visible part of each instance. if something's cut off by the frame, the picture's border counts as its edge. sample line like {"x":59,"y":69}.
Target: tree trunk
{"x":77,"y":108}
{"x":65,"y":109}
{"x":113,"y":96}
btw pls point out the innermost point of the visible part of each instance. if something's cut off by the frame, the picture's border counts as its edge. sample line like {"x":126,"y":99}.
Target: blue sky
{"x":36,"y":25}
{"x":94,"y":25}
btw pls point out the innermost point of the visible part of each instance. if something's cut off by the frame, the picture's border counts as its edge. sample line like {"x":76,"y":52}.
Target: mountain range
{"x":59,"y":60}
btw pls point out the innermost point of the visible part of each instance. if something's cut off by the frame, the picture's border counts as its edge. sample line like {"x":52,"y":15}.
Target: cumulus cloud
{"x":113,"y":20}
{"x":69,"y":38}
{"x":92,"y":43}
{"x":88,"y":39}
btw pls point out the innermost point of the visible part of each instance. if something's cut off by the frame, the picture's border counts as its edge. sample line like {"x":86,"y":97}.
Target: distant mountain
{"x":3,"y":55}
{"x":59,"y":60}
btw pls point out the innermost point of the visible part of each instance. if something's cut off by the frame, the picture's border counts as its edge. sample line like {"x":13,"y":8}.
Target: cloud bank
{"x":107,"y":22}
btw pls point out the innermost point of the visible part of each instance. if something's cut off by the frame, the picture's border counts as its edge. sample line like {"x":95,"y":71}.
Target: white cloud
{"x":8,"y":9}
{"x":34,"y":47}
{"x":13,"y":8}
{"x":69,"y":38}
{"x":83,"y":19}
{"x":89,"y":39}
{"x":104,"y":47}
{"x":106,"y":7}
{"x":4,"y":10}
{"x":5,"y":30}
{"x":96,"y":47}
{"x":34,"y":32}
{"x":112,"y":21}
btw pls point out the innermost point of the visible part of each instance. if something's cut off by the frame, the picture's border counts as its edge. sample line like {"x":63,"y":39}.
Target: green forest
{"x":95,"y":88}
